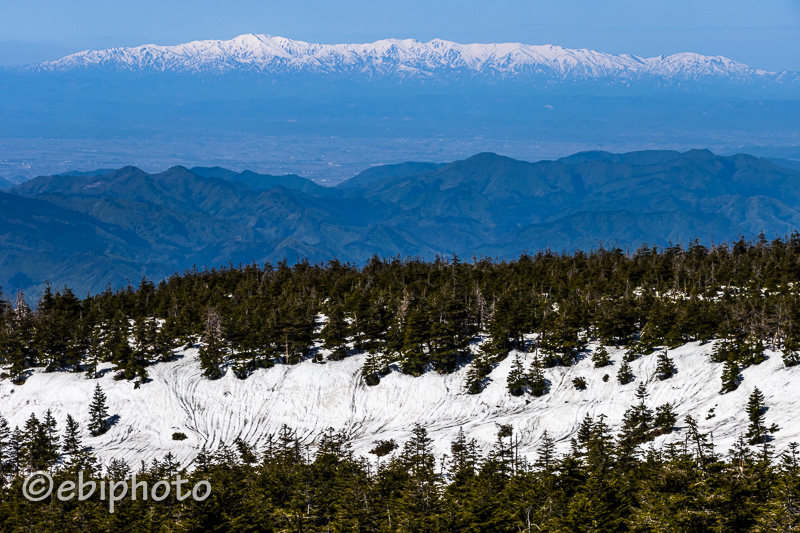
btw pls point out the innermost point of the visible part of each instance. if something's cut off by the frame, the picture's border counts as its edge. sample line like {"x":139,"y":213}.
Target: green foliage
{"x":600,"y":357}
{"x":665,"y":367}
{"x":730,"y":377}
{"x":517,"y":381}
{"x":579,"y":383}
{"x":537,"y":383}
{"x":625,"y":374}
{"x":98,"y":412}
{"x":757,"y":431}
{"x":666,"y":418}
{"x":791,"y":351}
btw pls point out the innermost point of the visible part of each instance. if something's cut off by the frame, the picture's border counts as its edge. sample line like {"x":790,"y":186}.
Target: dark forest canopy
{"x":421,"y":316}
{"x":603,"y":484}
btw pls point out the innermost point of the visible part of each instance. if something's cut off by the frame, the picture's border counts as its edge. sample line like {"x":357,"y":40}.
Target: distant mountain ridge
{"x":404,"y":58}
{"x":88,"y":231}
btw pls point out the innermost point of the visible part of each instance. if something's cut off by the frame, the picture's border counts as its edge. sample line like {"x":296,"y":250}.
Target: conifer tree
{"x":625,"y":374}
{"x":212,"y":352}
{"x":665,"y":418}
{"x":335,"y":332}
{"x":600,"y":357}
{"x":517,"y":380}
{"x":374,"y":367}
{"x":756,"y":430}
{"x":20,"y":347}
{"x":665,"y":367}
{"x":478,"y":371}
{"x":51,"y":429}
{"x":536,"y":380}
{"x":463,"y":454}
{"x":585,"y":429}
{"x":40,"y":446}
{"x":72,"y":439}
{"x":416,"y":332}
{"x":637,"y":421}
{"x":730,"y":377}
{"x":546,"y":453}
{"x":5,"y":447}
{"x":791,"y":351}
{"x":98,"y":412}
{"x":97,"y":352}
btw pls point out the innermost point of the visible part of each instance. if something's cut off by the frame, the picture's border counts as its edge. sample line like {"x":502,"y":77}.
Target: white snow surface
{"x":311,"y":397}
{"x":406,"y":58}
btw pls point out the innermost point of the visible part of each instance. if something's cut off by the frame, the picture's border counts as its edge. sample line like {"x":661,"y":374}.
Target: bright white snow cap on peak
{"x":268,"y":54}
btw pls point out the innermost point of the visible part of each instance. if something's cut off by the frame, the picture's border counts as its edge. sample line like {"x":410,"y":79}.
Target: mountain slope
{"x":484,"y":205}
{"x":312,"y":397}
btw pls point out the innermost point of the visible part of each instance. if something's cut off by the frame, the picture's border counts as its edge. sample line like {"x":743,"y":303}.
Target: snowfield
{"x":311,"y":397}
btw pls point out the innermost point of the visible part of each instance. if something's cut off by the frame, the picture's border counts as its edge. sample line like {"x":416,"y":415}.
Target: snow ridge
{"x":407,"y":58}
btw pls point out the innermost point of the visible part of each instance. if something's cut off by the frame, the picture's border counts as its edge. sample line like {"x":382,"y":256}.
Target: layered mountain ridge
{"x":406,"y":58}
{"x":90,"y":230}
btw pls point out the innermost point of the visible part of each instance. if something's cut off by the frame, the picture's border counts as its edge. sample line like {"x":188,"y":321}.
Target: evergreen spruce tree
{"x":212,"y":352}
{"x":791,"y":351}
{"x":600,"y":357}
{"x":20,"y":351}
{"x":665,"y":367}
{"x":536,"y":380}
{"x":5,"y":448}
{"x":756,"y":430}
{"x":374,"y":368}
{"x":39,"y":447}
{"x":72,"y":438}
{"x":414,"y":350}
{"x":546,"y":453}
{"x":478,"y":371}
{"x":97,"y":352}
{"x":98,"y":412}
{"x":625,"y":374}
{"x":517,"y":380}
{"x":730,"y":377}
{"x":638,"y":420}
{"x":16,"y":451}
{"x":585,"y":429}
{"x":166,"y":340}
{"x":51,"y":429}
{"x":335,"y":332}
{"x":665,"y":418}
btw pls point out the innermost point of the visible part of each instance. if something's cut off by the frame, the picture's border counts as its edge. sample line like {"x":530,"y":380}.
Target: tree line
{"x":424,"y":315}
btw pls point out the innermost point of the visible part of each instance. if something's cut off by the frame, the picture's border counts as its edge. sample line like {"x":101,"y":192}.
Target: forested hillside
{"x":424,"y":315}
{"x":89,"y":230}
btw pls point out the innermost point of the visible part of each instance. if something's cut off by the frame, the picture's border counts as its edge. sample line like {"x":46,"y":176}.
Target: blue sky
{"x":763,"y":34}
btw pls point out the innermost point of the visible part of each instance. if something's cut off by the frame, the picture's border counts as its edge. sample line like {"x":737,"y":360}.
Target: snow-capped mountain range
{"x":405,"y":58}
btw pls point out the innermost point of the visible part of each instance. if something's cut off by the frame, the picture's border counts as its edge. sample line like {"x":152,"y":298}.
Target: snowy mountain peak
{"x":397,"y":58}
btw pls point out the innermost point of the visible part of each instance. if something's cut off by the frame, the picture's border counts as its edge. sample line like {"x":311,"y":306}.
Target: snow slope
{"x":311,"y":397}
{"x":405,"y":58}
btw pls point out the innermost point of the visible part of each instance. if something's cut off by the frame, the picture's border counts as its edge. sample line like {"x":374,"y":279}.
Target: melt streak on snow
{"x":311,"y":397}
{"x":405,"y":58}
